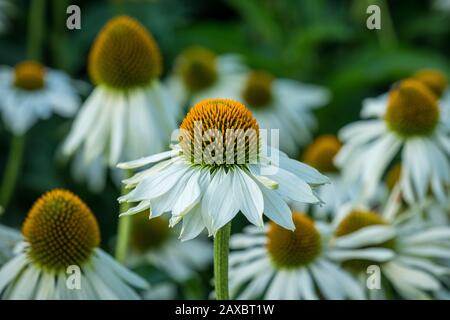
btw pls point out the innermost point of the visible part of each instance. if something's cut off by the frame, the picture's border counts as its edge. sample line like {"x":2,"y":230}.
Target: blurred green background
{"x":321,"y":42}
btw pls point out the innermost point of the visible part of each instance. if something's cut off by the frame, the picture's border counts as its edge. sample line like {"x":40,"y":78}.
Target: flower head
{"x":412,"y":109}
{"x":320,"y":154}
{"x":124,"y":55}
{"x":197,"y":67}
{"x":434,"y":79}
{"x":61,"y":231}
{"x":230,"y":122}
{"x":29,"y":75}
{"x":258,"y":89}
{"x":294,"y":249}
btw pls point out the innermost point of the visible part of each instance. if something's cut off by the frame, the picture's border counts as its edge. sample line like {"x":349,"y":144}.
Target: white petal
{"x":192,"y":224}
{"x":294,"y":188}
{"x":118,"y":129}
{"x":248,"y":197}
{"x":373,"y":254}
{"x":148,"y":160}
{"x":218,"y":201}
{"x":276,"y":209}
{"x":366,"y":236}
{"x":11,"y":269}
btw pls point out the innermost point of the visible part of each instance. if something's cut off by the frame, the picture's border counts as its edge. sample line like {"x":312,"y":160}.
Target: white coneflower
{"x":414,"y":269}
{"x":59,"y":232}
{"x":218,"y":169}
{"x":31,"y":92}
{"x":199,"y":72}
{"x":129,"y":114}
{"x":275,"y":263}
{"x":411,"y":124}
{"x":153,"y":242}
{"x":9,"y":238}
{"x":204,"y":188}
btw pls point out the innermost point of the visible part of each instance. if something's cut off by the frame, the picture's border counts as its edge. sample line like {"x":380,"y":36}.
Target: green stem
{"x":58,"y":35}
{"x":12,"y":169}
{"x":221,"y":249}
{"x":386,"y":35}
{"x":36,"y":29}
{"x":123,"y":230}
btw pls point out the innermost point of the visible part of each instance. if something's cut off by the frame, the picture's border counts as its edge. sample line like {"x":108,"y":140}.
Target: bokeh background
{"x":317,"y":41}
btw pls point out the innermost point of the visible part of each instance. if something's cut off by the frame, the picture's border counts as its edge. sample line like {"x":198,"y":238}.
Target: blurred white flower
{"x":409,"y":123}
{"x":130,"y":113}
{"x":60,"y":258}
{"x":275,"y":263}
{"x":407,"y":249}
{"x":31,"y":92}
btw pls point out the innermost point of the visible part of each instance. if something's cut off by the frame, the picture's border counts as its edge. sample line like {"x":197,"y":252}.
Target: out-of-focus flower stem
{"x":58,"y":34}
{"x":36,"y":28}
{"x":386,"y":35}
{"x":221,"y":251}
{"x":12,"y":169}
{"x":123,"y":229}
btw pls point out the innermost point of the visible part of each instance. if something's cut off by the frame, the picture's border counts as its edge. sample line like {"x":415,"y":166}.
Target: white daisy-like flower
{"x":61,"y":239}
{"x":31,"y":92}
{"x":409,"y":124}
{"x":411,"y":249}
{"x":9,"y":238}
{"x":275,"y":263}
{"x":153,"y":242}
{"x":200,"y":72}
{"x":207,"y":187}
{"x":129,"y":113}
{"x":6,"y":9}
{"x":282,"y":104}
